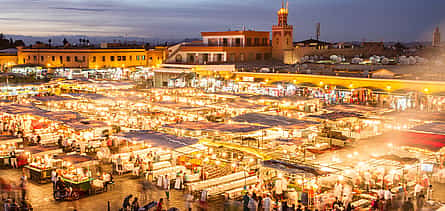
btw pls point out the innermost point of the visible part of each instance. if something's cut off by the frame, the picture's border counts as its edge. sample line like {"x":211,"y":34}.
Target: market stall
{"x":39,"y":162}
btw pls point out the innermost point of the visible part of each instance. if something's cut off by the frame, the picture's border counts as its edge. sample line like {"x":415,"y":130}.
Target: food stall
{"x":8,"y":144}
{"x":39,"y":162}
{"x":77,"y":171}
{"x":159,"y":156}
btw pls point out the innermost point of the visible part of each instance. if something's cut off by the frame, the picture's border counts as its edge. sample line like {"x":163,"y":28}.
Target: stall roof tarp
{"x":212,"y":126}
{"x":273,"y":120}
{"x":435,"y":128}
{"x":426,"y":141}
{"x":72,"y":119}
{"x":41,"y":149}
{"x":74,"y":158}
{"x":356,"y":109}
{"x":87,"y":124}
{"x":91,"y":96}
{"x":290,"y":167}
{"x":274,"y":98}
{"x":21,"y":109}
{"x":9,"y":139}
{"x":157,"y":139}
{"x":52,"y":98}
{"x":425,"y":116}
{"x":179,"y":106}
{"x":405,"y":160}
{"x":336,"y":115}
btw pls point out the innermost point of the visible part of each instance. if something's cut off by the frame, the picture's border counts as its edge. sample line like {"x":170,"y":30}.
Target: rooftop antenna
{"x":317,"y":32}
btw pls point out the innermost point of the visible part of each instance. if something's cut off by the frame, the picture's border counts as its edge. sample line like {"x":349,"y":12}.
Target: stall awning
{"x":403,"y":160}
{"x":9,"y":139}
{"x":52,"y":98}
{"x":274,"y":120}
{"x":42,"y":150}
{"x":291,"y":168}
{"x":425,"y":141}
{"x":336,"y":115}
{"x":77,"y":159}
{"x":157,"y":139}
{"x":435,"y":128}
{"x":220,"y":127}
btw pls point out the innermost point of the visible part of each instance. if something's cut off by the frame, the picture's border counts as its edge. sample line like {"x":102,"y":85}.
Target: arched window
{"x":178,"y":58}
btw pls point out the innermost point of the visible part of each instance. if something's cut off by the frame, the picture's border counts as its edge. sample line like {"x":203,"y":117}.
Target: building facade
{"x":91,"y":58}
{"x":7,"y":60}
{"x":224,"y":47}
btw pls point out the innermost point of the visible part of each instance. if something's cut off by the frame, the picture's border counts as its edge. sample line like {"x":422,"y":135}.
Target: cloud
{"x":80,"y":9}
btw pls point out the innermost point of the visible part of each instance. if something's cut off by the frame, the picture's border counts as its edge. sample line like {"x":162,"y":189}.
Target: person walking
{"x":188,"y":201}
{"x":160,"y":205}
{"x":253,"y":204}
{"x":13,"y":157}
{"x":429,"y":193}
{"x":23,"y":184}
{"x":246,"y":199}
{"x":408,"y":205}
{"x":267,"y":202}
{"x":135,"y":204}
{"x":167,"y":187}
{"x":126,"y":204}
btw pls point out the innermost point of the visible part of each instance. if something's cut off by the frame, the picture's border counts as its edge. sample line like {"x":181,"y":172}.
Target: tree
{"x":65,"y":42}
{"x":19,"y":43}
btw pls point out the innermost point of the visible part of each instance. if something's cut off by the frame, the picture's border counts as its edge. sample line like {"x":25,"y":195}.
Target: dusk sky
{"x":389,"y":20}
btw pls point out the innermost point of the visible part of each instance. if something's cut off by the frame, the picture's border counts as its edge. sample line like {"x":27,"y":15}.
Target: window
{"x":61,"y":59}
{"x":76,"y":59}
{"x":259,"y":56}
{"x":242,"y":57}
{"x":119,"y":58}
{"x":158,"y":58}
{"x":249,"y":42}
{"x":124,"y":58}
{"x":143,"y":58}
{"x":35,"y":58}
{"x":53,"y":58}
{"x":178,"y":58}
{"x":94,"y":58}
{"x":151,"y":58}
{"x":29,"y":57}
{"x":83,"y":59}
{"x":131,"y":58}
{"x":257,"y":41}
{"x":137,"y":58}
{"x":42,"y":58}
{"x":265,"y":41}
{"x":103,"y":58}
{"x":112,"y":58}
{"x":68,"y":58}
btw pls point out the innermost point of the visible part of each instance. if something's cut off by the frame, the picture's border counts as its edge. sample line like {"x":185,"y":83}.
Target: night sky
{"x":389,"y":20}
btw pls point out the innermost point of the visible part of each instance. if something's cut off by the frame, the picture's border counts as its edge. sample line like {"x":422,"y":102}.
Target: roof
{"x":234,"y":33}
{"x":310,"y":41}
{"x":356,"y":109}
{"x":212,"y":126}
{"x":273,"y":120}
{"x":157,"y":139}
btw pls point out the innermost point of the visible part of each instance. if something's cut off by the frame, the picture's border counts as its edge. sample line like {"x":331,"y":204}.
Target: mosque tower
{"x":282,"y":34}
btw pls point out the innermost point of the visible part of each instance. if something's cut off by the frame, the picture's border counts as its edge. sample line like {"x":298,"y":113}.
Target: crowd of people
{"x":14,"y":194}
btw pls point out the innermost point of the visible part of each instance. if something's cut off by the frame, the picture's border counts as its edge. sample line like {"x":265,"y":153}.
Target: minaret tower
{"x":282,"y":34}
{"x":436,"y":37}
